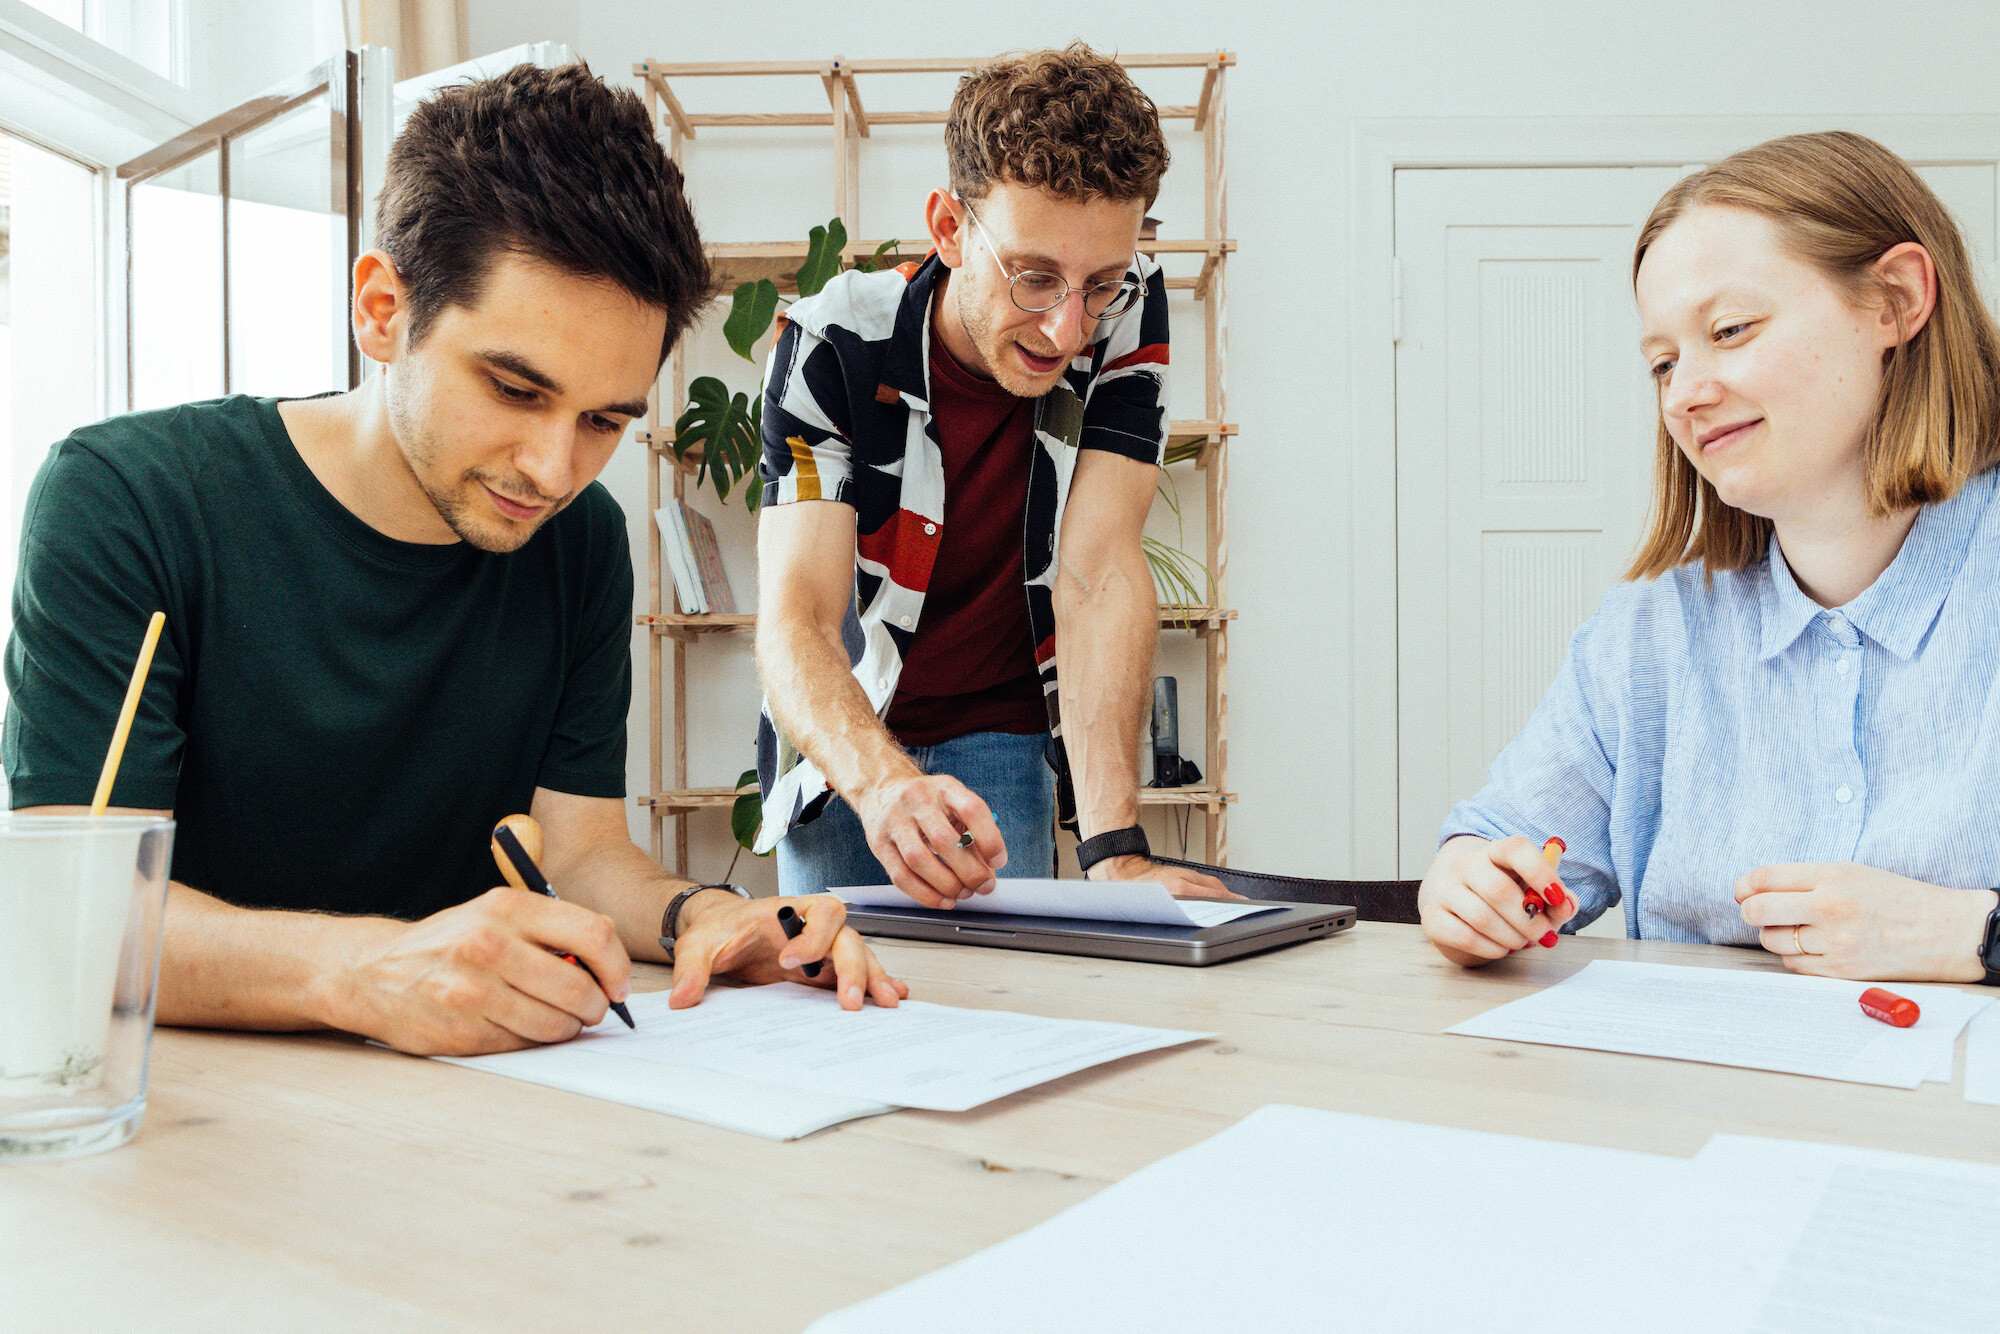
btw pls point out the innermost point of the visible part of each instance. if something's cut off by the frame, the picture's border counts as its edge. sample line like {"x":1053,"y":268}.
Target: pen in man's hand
{"x":522,"y":873}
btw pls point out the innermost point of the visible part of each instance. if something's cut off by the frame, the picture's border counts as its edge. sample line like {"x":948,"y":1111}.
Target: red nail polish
{"x":1549,"y":941}
{"x":1554,"y":894}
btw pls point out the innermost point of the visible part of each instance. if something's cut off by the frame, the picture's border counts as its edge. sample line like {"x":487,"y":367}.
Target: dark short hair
{"x":546,"y":163}
{"x":1071,"y":122}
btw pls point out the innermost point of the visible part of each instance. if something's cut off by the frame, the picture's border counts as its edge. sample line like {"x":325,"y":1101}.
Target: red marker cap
{"x":1889,"y":1007}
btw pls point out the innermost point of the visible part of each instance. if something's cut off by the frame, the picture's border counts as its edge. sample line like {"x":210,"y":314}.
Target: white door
{"x":1524,"y":444}
{"x":1524,"y":448}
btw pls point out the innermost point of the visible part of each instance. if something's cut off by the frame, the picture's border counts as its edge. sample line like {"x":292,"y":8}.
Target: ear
{"x":379,"y":308}
{"x":945,"y":218}
{"x":1910,"y":278}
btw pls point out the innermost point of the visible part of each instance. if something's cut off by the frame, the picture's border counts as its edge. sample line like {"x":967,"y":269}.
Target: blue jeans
{"x":1007,"y":771}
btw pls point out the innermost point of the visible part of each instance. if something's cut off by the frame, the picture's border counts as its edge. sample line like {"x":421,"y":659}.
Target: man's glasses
{"x":1035,"y":291}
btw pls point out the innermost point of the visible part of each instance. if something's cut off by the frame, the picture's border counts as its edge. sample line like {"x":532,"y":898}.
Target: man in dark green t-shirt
{"x":398,"y":614}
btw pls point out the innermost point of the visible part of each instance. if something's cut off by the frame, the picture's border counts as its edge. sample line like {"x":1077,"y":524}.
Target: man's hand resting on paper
{"x":1865,"y":924}
{"x":474,"y":978}
{"x":913,"y":822}
{"x":721,"y":933}
{"x":1473,"y":900}
{"x":1181,"y":882}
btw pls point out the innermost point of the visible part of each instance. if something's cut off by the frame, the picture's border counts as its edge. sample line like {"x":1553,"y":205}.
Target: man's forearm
{"x":821,"y":707}
{"x":227,"y":967}
{"x":1107,"y":625}
{"x":617,"y":878}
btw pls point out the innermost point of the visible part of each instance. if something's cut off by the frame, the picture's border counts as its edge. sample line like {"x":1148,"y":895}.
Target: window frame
{"x":337,"y":78}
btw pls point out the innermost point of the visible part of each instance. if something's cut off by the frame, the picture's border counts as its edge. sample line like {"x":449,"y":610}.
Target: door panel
{"x":1524,"y":447}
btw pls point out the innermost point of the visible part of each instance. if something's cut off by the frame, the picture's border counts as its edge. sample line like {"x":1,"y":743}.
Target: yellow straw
{"x":125,"y":715}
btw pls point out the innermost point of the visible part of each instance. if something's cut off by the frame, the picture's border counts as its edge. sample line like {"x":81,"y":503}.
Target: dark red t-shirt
{"x":971,"y":663}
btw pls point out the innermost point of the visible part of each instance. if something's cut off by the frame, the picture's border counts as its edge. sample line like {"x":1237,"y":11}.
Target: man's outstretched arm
{"x":1107,"y":625}
{"x":805,"y":582}
{"x":478,"y":977}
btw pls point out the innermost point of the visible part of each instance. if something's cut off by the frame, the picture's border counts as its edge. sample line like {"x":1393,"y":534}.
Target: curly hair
{"x":546,"y":163}
{"x":1071,"y":122}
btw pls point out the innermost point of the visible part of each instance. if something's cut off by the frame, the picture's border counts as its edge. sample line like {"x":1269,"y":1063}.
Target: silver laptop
{"x":1193,"y":946}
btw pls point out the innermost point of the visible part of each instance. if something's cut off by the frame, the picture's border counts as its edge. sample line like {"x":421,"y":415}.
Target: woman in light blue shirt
{"x":1785,"y":730}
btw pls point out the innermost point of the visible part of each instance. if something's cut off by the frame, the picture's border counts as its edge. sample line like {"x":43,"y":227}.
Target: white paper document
{"x":1866,"y":1242}
{"x":1296,"y":1219}
{"x":1366,"y":1225}
{"x":1762,"y":1021}
{"x":938,"y":1057}
{"x":1982,"y":1057}
{"x":733,"y":1102}
{"x":1091,"y":900}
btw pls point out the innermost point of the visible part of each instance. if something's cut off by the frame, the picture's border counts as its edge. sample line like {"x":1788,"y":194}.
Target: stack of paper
{"x":1300,"y":1219}
{"x":785,"y":1060}
{"x":1762,"y":1021}
{"x":1093,"y":900}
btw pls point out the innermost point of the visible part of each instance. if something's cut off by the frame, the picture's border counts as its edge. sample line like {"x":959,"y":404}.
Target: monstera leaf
{"x":823,"y":247}
{"x":751,"y":311}
{"x":725,"y":428}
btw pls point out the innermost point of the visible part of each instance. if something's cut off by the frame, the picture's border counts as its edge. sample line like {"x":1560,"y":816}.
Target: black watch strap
{"x":1112,"y":843}
{"x":670,"y":920}
{"x":1989,"y":946}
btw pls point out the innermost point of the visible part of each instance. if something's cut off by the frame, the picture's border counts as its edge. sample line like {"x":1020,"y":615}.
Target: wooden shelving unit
{"x":1204,"y":441}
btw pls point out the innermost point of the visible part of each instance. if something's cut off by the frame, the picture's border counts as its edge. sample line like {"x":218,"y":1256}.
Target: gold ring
{"x":1798,"y":947}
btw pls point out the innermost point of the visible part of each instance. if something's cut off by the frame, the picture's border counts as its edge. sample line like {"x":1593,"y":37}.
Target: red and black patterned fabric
{"x":847,"y":418}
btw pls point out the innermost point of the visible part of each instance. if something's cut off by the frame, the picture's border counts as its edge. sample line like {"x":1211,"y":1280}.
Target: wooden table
{"x":310,"y":1182}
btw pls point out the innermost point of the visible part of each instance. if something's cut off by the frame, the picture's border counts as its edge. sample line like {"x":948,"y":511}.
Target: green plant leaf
{"x":725,"y":428}
{"x":890,"y":250}
{"x":751,"y":311}
{"x":823,"y":247}
{"x":1179,"y":576}
{"x":748,"y":812}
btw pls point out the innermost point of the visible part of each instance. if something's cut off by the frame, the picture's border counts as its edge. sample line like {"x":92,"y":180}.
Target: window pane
{"x":287,"y":258}
{"x":176,"y":227}
{"x":146,"y":31}
{"x":50,"y":375}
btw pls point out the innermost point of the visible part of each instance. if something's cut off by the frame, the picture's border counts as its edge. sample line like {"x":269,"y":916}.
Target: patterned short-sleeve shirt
{"x":847,"y":417}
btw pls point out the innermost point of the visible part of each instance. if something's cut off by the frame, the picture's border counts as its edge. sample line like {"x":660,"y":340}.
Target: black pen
{"x":532,"y":878}
{"x":794,"y":925}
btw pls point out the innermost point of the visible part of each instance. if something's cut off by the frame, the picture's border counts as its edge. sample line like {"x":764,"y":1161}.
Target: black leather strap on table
{"x":1372,"y":900}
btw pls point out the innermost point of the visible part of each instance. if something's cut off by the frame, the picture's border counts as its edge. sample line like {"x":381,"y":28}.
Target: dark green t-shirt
{"x":336,"y":718}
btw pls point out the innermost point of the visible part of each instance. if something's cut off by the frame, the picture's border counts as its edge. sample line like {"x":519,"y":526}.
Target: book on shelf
{"x":687,"y":539}
{"x":715,"y":590}
{"x":679,"y":554}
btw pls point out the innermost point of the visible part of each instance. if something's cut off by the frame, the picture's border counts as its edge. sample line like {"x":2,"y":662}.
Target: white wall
{"x":1306,"y":72}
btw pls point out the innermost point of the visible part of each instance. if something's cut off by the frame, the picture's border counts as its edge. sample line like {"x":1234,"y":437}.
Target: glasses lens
{"x":1101,"y":303}
{"x":1037,"y":292}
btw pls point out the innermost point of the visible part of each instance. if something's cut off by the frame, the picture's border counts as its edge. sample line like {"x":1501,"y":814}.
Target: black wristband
{"x":1113,"y":843}
{"x":670,"y":919}
{"x":1989,"y":946}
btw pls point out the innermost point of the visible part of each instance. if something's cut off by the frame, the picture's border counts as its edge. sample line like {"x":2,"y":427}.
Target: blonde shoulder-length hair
{"x":1840,"y":202}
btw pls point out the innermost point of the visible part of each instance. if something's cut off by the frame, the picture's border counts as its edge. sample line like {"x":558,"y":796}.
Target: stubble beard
{"x":456,"y":505}
{"x":978,"y":325}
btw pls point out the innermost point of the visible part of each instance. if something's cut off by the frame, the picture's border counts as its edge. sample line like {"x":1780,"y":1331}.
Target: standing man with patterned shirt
{"x":958,"y":621}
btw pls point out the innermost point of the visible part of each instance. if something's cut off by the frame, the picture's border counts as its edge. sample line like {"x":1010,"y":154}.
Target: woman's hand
{"x":1473,"y":903}
{"x":1842,"y":920}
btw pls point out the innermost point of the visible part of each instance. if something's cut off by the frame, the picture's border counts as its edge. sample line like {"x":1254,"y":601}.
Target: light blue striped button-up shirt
{"x":1697,"y":732}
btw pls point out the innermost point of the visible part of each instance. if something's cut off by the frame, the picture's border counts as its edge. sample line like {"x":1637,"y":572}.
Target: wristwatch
{"x":670,"y":920}
{"x":1113,"y":843}
{"x":1989,"y":946}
